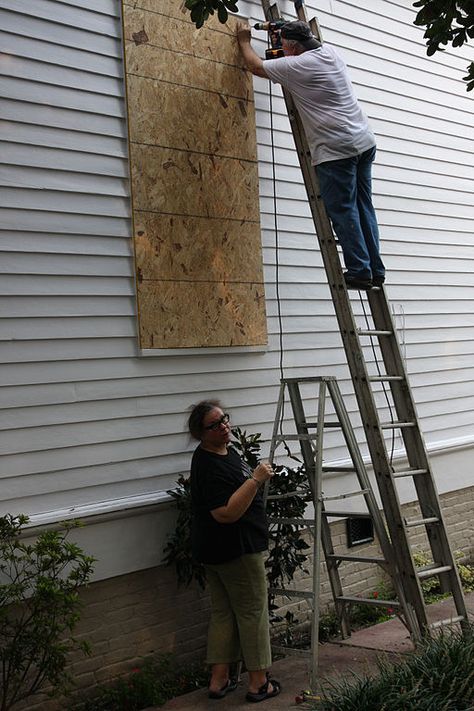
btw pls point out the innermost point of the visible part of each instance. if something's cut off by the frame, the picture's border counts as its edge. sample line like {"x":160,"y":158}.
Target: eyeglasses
{"x":221,"y":421}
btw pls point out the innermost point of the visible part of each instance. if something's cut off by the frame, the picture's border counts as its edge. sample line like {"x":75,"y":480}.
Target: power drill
{"x":274,"y":33}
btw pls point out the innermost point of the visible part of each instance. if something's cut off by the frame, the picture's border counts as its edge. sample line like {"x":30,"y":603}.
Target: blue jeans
{"x":346,"y":190}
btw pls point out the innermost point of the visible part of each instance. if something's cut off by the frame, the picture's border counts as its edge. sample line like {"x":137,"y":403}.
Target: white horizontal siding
{"x":84,"y":419}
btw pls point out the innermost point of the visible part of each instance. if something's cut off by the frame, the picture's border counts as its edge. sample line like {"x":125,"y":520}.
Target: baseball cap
{"x":301,"y":32}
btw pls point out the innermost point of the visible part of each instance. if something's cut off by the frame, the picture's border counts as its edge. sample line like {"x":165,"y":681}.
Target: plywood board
{"x":195,"y":248}
{"x":194,"y":181}
{"x":223,"y":313}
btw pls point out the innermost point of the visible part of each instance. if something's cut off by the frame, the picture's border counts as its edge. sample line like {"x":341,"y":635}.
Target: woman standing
{"x":230,"y":533}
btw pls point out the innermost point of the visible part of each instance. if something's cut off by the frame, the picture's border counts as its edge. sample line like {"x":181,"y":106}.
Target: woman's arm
{"x":243,"y":496}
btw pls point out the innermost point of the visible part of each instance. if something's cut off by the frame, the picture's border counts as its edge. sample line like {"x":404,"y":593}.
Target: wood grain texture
{"x":188,"y":183}
{"x":174,"y":313}
{"x":230,"y":133}
{"x":194,"y":181}
{"x":194,"y":248}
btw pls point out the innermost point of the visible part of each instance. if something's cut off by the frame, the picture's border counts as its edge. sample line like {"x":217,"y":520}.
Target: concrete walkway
{"x":357,"y":655}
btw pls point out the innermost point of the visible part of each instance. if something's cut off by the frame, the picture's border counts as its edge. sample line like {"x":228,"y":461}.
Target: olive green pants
{"x":239,"y":613}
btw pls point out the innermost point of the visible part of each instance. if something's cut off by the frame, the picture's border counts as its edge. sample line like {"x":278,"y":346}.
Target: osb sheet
{"x":194,"y":248}
{"x":162,"y":32}
{"x":175,"y":8}
{"x":224,"y":314}
{"x":187,"y":183}
{"x":229,"y":134}
{"x":190,"y":71}
{"x":194,"y":181}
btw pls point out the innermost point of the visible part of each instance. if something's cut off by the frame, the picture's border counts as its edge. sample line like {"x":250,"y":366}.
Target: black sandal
{"x":230,"y":685}
{"x":263,"y":693}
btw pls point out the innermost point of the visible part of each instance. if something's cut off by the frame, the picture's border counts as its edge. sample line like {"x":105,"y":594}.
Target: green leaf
{"x":222,"y":14}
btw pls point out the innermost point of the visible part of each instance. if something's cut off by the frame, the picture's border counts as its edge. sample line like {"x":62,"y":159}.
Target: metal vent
{"x":359,"y":530}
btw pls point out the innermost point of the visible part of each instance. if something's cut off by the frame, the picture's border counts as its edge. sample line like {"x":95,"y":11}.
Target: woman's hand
{"x":243,"y":497}
{"x":263,"y":472}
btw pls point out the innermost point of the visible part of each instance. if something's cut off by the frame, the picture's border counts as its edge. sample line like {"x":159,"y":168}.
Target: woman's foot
{"x":220,"y":692}
{"x":268,"y":690}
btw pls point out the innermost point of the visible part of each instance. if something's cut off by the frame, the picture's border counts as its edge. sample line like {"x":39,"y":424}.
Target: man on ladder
{"x":341,"y":141}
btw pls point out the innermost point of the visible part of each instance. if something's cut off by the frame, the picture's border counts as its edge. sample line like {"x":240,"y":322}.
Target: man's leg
{"x":368,"y":219}
{"x":338,"y":183}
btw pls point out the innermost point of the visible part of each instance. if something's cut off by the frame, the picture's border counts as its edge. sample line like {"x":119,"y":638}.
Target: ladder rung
{"x":409,"y":472}
{"x":359,"y":492}
{"x":421,"y":521}
{"x":290,"y":651}
{"x":430,"y":571}
{"x":345,"y":514}
{"x":292,"y":593}
{"x":303,"y":522}
{"x":336,"y":470}
{"x":394,"y":425}
{"x":309,"y":379}
{"x":374,"y":332}
{"x":447,"y":621}
{"x":357,"y":558}
{"x":307,"y":425}
{"x":295,"y":438}
{"x":385,"y":378}
{"x":368,"y":601}
{"x":290,"y":494}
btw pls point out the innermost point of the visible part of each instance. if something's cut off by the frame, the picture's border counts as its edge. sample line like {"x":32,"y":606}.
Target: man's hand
{"x":253,"y":62}
{"x":243,"y":32}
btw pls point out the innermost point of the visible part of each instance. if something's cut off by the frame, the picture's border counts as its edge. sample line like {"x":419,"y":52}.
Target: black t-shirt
{"x":214,"y":478}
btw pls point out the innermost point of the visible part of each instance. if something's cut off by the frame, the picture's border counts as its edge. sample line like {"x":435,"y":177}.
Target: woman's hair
{"x":198,"y":413}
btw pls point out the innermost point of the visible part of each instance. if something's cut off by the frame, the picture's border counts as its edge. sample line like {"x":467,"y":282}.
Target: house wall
{"x":93,"y":427}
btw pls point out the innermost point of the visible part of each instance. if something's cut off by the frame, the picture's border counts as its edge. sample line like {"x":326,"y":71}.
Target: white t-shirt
{"x":334,"y":123}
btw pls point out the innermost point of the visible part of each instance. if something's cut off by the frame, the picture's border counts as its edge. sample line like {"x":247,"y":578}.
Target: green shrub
{"x":178,"y":548}
{"x":151,"y":684}
{"x":431,"y":587}
{"x":39,"y":608}
{"x":439,"y":676}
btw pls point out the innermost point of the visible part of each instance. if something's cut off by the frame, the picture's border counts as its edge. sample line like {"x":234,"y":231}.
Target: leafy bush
{"x":39,"y":608}
{"x":202,"y":9}
{"x":178,"y":548}
{"x":431,"y":587}
{"x":287,"y":545}
{"x":151,"y":684}
{"x":439,"y":676}
{"x":447,"y":21}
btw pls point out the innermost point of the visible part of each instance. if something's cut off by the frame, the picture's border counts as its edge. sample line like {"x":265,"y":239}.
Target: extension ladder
{"x":310,"y":433}
{"x":382,"y":331}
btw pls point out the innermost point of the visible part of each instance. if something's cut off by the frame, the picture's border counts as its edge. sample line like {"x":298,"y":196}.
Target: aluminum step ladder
{"x":310,"y":433}
{"x":382,"y":332}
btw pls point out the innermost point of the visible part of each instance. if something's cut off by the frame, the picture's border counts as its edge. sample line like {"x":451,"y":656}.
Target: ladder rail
{"x":417,"y":453}
{"x":314,"y":474}
{"x":318,"y":503}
